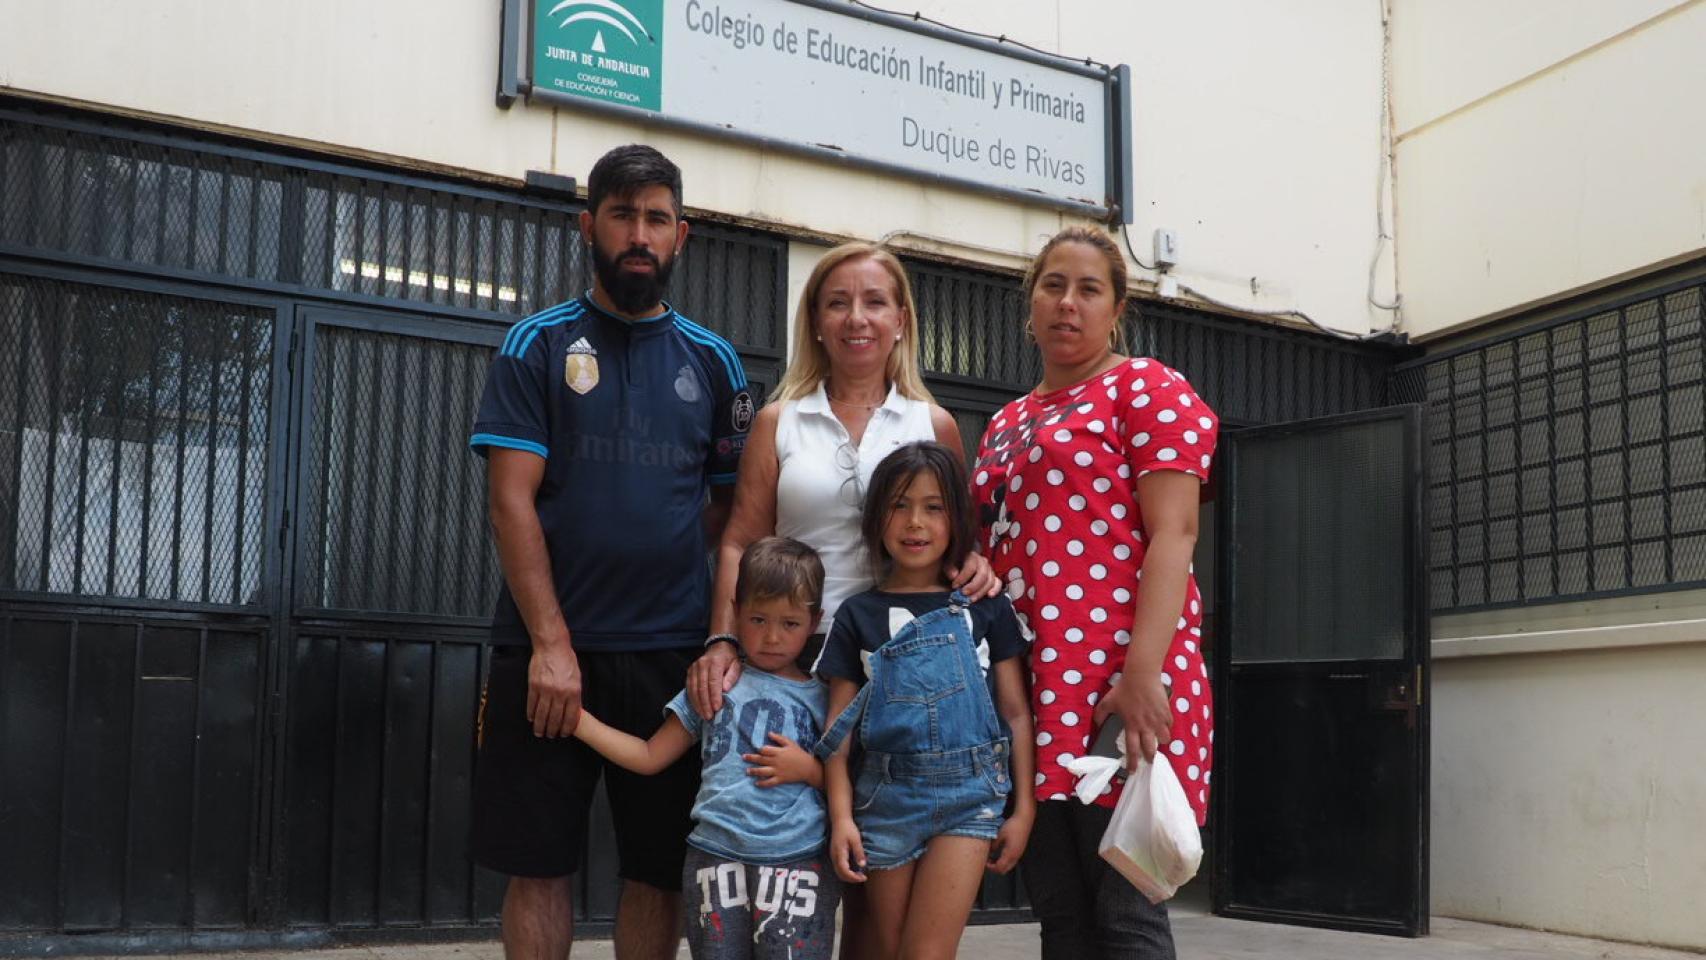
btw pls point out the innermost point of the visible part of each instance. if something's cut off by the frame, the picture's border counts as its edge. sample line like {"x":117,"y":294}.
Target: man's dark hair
{"x":625,"y":171}
{"x":889,"y":482}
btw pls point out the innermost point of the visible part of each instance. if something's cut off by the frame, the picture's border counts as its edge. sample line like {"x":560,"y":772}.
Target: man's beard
{"x":630,"y":292}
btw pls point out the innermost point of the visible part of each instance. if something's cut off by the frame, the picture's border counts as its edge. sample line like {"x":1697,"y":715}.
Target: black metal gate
{"x":139,"y":428}
{"x":244,"y":564}
{"x":1321,"y":816}
{"x":382,"y":648}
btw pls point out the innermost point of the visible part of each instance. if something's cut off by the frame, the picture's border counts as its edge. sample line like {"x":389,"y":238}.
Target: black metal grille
{"x":1253,"y":373}
{"x":134,"y":432}
{"x":394,"y":503}
{"x":972,"y":326}
{"x":129,"y":792}
{"x":371,"y":236}
{"x":380,"y":761}
{"x":1569,"y":460}
{"x":119,"y":200}
{"x":736,"y":283}
{"x":204,"y":209}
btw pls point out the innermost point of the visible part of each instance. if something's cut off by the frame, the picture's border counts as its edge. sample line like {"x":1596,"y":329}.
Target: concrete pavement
{"x":1200,"y":936}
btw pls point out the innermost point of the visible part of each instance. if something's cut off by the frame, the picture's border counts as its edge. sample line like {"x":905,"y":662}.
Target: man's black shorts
{"x":532,"y":795}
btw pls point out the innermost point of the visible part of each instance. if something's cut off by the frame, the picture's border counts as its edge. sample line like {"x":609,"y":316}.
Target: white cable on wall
{"x":1382,"y":238}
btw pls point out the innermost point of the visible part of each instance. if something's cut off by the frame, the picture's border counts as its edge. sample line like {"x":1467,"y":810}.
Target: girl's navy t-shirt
{"x":868,"y":620}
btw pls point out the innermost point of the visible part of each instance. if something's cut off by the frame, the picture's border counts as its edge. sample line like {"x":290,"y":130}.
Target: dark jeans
{"x":1088,"y":911}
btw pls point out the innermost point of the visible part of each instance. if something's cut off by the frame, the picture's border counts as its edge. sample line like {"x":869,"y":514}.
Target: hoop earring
{"x":1030,"y":332}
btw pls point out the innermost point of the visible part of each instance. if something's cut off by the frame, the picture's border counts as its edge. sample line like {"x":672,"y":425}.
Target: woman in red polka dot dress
{"x":1088,"y":488}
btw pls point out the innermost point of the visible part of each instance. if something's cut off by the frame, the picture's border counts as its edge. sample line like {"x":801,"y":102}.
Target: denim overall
{"x":935,"y":760}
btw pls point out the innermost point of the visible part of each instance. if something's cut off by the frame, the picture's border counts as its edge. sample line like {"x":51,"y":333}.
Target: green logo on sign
{"x":609,"y":50}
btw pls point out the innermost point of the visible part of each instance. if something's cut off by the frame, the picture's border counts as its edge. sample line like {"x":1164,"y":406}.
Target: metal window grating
{"x":1253,"y":373}
{"x":198,"y":209}
{"x":394,"y":517}
{"x":1569,"y":460}
{"x":971,"y":325}
{"x":134,"y":431}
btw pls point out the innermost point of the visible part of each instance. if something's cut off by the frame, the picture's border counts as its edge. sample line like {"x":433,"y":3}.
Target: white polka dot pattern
{"x":1064,"y":466}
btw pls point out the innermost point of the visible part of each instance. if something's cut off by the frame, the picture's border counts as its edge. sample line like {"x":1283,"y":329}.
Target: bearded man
{"x":612,"y":427}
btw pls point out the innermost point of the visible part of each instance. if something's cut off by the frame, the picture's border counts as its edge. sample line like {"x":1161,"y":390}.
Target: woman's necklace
{"x":867,"y":407}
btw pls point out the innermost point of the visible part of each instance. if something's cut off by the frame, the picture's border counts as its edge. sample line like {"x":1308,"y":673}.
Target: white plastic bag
{"x":1153,"y":840}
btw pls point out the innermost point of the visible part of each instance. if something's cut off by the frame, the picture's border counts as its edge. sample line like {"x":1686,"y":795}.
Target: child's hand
{"x":847,"y":851}
{"x":783,"y":761}
{"x":1010,"y":843}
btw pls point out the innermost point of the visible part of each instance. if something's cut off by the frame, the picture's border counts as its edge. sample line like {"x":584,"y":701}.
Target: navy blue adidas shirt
{"x":635,"y":420}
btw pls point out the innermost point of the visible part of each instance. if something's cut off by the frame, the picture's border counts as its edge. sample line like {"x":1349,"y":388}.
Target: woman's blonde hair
{"x":1110,"y":252}
{"x":810,"y":363}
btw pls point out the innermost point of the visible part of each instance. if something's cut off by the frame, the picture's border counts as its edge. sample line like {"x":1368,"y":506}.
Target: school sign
{"x":838,"y":82}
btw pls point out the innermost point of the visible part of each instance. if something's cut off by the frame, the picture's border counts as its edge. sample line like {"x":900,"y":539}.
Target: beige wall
{"x":1543,"y":147}
{"x":1567,"y":788}
{"x":1257,"y":135}
{"x":1568,"y":793}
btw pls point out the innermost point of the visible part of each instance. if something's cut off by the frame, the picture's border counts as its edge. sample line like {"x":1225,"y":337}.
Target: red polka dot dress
{"x":1056,"y":485}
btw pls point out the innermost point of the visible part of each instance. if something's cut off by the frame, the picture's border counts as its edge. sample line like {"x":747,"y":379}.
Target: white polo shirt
{"x":817,"y":499}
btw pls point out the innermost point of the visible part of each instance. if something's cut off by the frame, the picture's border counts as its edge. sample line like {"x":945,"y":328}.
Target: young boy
{"x":755,"y":883}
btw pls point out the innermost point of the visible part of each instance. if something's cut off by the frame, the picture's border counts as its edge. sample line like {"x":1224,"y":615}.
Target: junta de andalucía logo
{"x":609,"y":50}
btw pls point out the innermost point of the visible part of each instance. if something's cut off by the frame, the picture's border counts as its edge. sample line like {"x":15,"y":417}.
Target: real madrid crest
{"x":580,"y":367}
{"x":686,"y":385}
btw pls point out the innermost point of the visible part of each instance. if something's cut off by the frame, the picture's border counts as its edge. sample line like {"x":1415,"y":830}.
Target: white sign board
{"x":872,"y":89}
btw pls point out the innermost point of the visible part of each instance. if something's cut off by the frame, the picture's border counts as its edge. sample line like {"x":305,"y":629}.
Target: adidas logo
{"x":581,"y":346}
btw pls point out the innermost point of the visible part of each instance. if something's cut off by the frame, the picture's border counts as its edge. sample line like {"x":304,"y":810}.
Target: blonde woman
{"x":852,"y":393}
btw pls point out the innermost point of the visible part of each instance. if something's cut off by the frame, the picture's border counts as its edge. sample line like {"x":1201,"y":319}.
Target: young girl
{"x":916,"y":673}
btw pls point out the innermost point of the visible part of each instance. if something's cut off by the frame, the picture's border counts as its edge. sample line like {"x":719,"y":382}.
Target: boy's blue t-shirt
{"x":733,"y":817}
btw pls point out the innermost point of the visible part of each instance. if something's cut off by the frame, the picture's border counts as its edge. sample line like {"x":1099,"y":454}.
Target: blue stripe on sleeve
{"x":722,"y":345}
{"x":720,"y":479}
{"x":511,"y":443}
{"x":737,"y":378}
{"x":521,"y":335}
{"x":719,"y":346}
{"x":534,"y":333}
{"x":515,"y":332}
